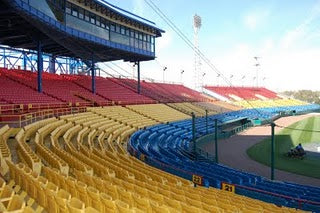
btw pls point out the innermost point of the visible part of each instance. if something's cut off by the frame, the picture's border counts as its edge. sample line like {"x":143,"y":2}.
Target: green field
{"x":286,"y":139}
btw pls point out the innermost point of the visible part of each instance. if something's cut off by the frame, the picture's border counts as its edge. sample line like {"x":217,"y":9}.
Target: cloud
{"x":254,"y":19}
{"x":138,"y":7}
{"x":303,"y":31}
{"x":164,"y":41}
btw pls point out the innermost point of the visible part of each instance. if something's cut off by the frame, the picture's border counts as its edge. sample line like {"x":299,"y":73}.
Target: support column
{"x":194,"y":136}
{"x":52,"y":64}
{"x":24,"y":61}
{"x":272,"y":150}
{"x":216,"y":139}
{"x":39,"y":66}
{"x":138,"y":68}
{"x":207,"y":130}
{"x":93,"y":75}
{"x":4,"y":58}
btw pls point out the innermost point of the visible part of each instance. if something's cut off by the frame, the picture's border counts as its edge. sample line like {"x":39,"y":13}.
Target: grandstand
{"x":83,"y":143}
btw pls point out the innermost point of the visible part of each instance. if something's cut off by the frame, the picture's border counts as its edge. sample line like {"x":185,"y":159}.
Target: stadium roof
{"x":130,"y":16}
{"x":21,"y":26}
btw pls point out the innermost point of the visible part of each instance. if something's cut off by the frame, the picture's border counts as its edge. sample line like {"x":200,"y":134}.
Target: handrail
{"x":30,"y":117}
{"x":278,"y":195}
{"x":132,"y":150}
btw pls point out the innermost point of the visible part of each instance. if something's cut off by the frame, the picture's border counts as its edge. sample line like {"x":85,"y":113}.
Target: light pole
{"x":231,"y":76}
{"x":182,"y":71}
{"x":257,"y":64}
{"x":164,"y":69}
{"x":242,"y":79}
{"x":203,"y":74}
{"x":218,"y":77}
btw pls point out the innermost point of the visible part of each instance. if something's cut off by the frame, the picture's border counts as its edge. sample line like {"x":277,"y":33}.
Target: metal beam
{"x":138,"y":68}
{"x":93,"y":80}
{"x":39,"y":65}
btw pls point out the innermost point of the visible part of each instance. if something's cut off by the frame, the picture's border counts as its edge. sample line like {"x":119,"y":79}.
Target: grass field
{"x":286,"y":139}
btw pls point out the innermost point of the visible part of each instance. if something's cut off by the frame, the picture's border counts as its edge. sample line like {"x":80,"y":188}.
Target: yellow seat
{"x":82,"y":192}
{"x":164,"y":192}
{"x":141,"y":191}
{"x":16,"y":203}
{"x":195,"y":203}
{"x":94,"y":198}
{"x":28,"y":209}
{"x":41,"y":195}
{"x":123,"y":207}
{"x":75,"y":205}
{"x":111,"y":190}
{"x":2,"y":183}
{"x":142,"y":203}
{"x":71,"y":183}
{"x":6,"y":193}
{"x":108,"y":203}
{"x":62,"y":198}
{"x":156,"y":197}
{"x":178,"y":197}
{"x":213,"y":209}
{"x":158,"y":209}
{"x":189,"y":209}
{"x":91,"y":210}
{"x":172,"y":203}
{"x":125,"y":196}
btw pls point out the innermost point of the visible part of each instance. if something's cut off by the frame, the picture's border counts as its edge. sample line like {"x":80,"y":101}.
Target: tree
{"x":304,"y":95}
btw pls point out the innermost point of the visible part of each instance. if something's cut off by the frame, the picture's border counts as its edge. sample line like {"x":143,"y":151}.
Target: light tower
{"x":197,"y":62}
{"x":257,"y":64}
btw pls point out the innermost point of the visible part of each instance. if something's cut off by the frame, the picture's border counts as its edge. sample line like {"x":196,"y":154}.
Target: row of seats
{"x":269,"y":103}
{"x":5,"y":153}
{"x":246,"y":93}
{"x":166,"y":145}
{"x":118,"y":178}
{"x":189,"y":108}
{"x":159,"y":112}
{"x":48,"y":195}
{"x":77,"y":89}
{"x":13,"y":92}
{"x":91,"y":159}
{"x":163,"y":92}
{"x":9,"y":200}
{"x":113,"y":91}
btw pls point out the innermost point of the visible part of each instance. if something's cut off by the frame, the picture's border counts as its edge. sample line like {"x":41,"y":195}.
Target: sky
{"x":284,"y":35}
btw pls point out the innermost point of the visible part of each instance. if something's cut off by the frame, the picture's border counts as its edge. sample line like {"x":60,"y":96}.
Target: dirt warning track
{"x":232,"y":152}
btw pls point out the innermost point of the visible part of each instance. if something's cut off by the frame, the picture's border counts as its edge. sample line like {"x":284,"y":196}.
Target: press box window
{"x":92,"y":18}
{"x":81,"y":13}
{"x":103,"y":23}
{"x":112,"y":27}
{"x":98,"y":21}
{"x":68,"y":8}
{"x":75,"y":11}
{"x":86,"y":16}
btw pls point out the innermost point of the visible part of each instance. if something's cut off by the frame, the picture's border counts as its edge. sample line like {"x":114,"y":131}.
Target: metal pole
{"x":93,"y":80}
{"x":24,"y":61}
{"x":39,"y":66}
{"x":216,"y":139}
{"x":138,"y":68}
{"x":194,"y":135}
{"x":4,"y":58}
{"x":52,"y":64}
{"x":207,"y":131}
{"x":272,"y":150}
